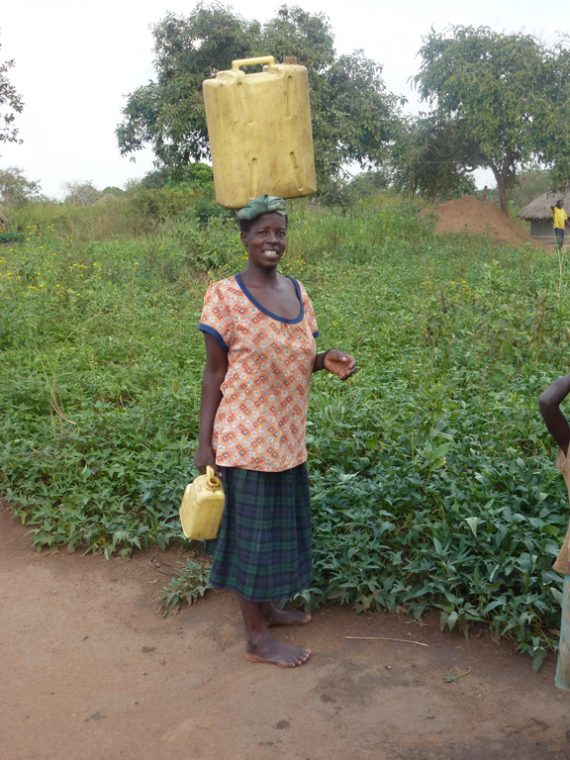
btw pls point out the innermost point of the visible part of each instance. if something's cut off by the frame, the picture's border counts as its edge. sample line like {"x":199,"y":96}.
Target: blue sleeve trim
{"x":215,"y":334}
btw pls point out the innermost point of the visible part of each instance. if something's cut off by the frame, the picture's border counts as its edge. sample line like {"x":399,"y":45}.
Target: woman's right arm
{"x":212,"y":379}
{"x":549,"y":403}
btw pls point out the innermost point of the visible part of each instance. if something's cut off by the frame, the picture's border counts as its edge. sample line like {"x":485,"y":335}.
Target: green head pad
{"x":263,"y":204}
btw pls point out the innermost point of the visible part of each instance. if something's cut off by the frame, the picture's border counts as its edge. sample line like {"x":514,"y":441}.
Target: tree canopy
{"x":81,"y":193}
{"x":434,"y":159}
{"x":354,"y":117}
{"x":16,"y":190}
{"x":552,"y":127}
{"x":531,"y":182}
{"x":168,"y":113}
{"x":502,"y":94}
{"x":10,"y":104}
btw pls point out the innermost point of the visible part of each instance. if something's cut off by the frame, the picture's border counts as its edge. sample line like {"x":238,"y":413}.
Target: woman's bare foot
{"x":273,"y":652}
{"x":275,"y":616}
{"x":261,"y":646}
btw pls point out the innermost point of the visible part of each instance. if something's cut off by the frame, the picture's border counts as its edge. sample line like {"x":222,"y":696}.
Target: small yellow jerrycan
{"x":202,"y":507}
{"x":259,"y":127}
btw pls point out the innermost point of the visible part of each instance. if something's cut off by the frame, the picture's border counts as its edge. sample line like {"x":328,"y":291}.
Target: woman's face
{"x":266,"y":240}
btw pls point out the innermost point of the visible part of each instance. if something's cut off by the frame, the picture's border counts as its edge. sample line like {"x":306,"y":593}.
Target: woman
{"x":260,"y":330}
{"x":559,"y":429}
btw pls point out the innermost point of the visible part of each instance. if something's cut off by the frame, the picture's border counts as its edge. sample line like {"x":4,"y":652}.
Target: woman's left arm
{"x":338,"y":362}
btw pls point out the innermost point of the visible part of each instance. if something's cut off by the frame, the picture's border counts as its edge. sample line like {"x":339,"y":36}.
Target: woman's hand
{"x":205,"y":455}
{"x":340,"y":364}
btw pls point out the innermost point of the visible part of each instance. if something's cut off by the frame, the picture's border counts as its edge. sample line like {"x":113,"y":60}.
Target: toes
{"x":303,"y":656}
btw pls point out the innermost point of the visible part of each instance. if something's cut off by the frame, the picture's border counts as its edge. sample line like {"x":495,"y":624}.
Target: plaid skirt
{"x":263,"y":549}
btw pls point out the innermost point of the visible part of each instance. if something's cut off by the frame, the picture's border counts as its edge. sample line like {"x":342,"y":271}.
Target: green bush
{"x":12,"y":237}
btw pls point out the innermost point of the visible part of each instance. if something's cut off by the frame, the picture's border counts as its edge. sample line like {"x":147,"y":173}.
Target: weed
{"x":187,"y":587}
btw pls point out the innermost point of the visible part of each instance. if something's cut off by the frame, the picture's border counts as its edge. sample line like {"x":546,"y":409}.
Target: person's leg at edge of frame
{"x":562,"y":678}
{"x":261,"y":646}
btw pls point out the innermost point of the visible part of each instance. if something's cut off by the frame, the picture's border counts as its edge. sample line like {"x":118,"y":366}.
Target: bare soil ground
{"x":89,"y":670}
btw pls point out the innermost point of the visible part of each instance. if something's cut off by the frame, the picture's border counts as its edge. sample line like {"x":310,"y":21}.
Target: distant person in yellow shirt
{"x":559,"y":222}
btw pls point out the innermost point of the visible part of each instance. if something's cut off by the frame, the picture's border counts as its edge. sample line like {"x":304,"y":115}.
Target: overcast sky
{"x":76,"y":61}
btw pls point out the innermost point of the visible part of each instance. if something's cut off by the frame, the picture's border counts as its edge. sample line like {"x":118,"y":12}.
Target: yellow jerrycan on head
{"x":202,"y":507}
{"x":259,"y":126}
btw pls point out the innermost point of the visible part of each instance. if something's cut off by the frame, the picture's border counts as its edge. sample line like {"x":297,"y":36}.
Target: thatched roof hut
{"x":539,"y":213}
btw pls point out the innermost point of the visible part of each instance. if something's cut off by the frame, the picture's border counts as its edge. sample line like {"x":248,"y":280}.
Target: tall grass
{"x":432,"y":477}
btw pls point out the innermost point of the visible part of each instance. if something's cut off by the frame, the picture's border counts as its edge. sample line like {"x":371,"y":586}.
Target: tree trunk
{"x":502,"y":174}
{"x":503,"y":196}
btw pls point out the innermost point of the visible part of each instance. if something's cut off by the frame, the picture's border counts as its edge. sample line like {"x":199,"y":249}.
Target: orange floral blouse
{"x":260,"y":422}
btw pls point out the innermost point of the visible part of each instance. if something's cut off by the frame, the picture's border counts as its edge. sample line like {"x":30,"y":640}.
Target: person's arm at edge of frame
{"x":212,"y":379}
{"x":555,"y":421}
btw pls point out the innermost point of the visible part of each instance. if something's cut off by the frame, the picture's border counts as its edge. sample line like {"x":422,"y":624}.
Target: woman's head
{"x":263,"y":204}
{"x":263,"y":231}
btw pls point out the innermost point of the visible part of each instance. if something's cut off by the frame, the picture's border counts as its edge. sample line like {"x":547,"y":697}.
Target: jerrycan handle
{"x":213,"y":482}
{"x":266,"y":60}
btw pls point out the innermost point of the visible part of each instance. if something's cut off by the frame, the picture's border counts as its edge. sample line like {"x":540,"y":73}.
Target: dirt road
{"x":91,"y":671}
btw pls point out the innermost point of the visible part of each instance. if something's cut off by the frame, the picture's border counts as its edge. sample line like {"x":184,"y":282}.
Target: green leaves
{"x":187,"y":587}
{"x":11,"y":102}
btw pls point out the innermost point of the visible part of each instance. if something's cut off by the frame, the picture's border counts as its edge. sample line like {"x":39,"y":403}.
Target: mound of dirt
{"x":475,"y":217}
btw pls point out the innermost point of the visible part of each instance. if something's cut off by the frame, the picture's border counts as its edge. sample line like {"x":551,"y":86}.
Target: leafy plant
{"x":187,"y":587}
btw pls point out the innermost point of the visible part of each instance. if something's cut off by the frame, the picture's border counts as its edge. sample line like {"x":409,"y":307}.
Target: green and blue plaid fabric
{"x":263,"y":550}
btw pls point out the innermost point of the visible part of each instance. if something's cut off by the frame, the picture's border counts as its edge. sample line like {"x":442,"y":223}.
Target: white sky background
{"x":76,"y":61}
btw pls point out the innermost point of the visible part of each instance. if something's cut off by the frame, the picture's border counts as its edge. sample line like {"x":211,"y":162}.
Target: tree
{"x":16,"y":190}
{"x":354,"y":118}
{"x":10,"y":104}
{"x":552,"y":127}
{"x":433,"y":158}
{"x":497,"y":88}
{"x":531,"y":182}
{"x":169,"y":113}
{"x":112,"y":190}
{"x":81,"y":193}
{"x":198,"y":176}
{"x":358,"y":119}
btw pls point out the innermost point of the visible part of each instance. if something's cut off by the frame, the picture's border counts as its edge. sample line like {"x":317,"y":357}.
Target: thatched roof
{"x":541,"y":207}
